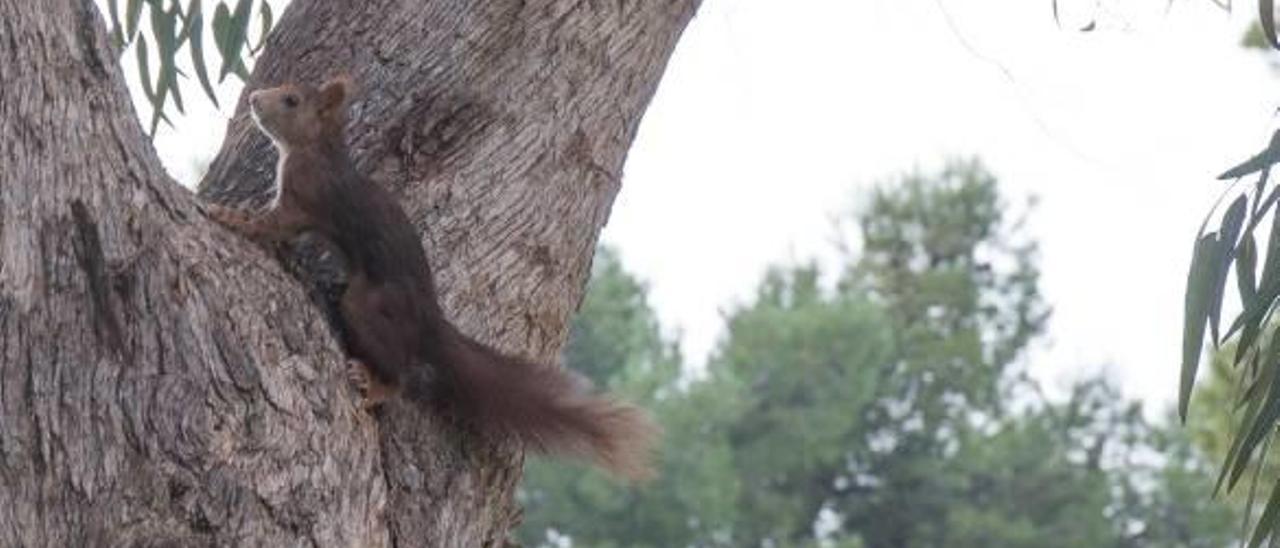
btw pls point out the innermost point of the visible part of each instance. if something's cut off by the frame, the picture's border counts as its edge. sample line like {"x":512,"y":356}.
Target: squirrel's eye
{"x":290,"y":101}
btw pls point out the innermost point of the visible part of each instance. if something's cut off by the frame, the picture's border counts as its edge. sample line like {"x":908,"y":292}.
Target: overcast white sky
{"x":773,"y":115}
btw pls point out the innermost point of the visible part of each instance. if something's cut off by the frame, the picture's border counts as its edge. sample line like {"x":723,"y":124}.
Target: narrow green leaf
{"x":164,"y":25}
{"x":1237,"y":439}
{"x":268,"y":19}
{"x":1268,"y":291}
{"x":1257,"y":380}
{"x":185,"y":16}
{"x":1261,"y":161}
{"x":144,"y":69}
{"x":157,"y":112}
{"x":1264,"y":421}
{"x":1271,"y":267}
{"x":195,"y":20}
{"x":155,"y":123}
{"x":1200,"y":234}
{"x":1267,"y":523}
{"x":221,"y":23}
{"x":161,"y":30}
{"x":1263,"y":207}
{"x":233,"y":37}
{"x":1253,"y":399}
{"x":241,"y":72}
{"x":171,"y":83}
{"x":1229,"y":232}
{"x":1253,"y":489}
{"x":1254,"y":330}
{"x":1204,"y":223}
{"x":1260,"y":209}
{"x":240,"y":16}
{"x":1267,"y":15}
{"x":1236,"y":325}
{"x":1196,"y":314}
{"x":117,"y":32}
{"x":222,"y":34}
{"x":1246,"y":269}
{"x":132,"y":14}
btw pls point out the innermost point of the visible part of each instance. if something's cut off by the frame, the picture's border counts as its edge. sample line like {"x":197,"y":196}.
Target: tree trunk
{"x":164,"y":383}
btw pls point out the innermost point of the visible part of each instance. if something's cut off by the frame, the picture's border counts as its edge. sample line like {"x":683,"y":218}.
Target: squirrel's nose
{"x":254,"y":98}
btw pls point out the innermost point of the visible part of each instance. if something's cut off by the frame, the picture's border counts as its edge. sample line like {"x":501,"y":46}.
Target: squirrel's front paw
{"x":223,"y":214}
{"x":372,"y":391}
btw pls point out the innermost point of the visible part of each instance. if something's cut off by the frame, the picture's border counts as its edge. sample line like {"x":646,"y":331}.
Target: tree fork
{"x":164,"y":383}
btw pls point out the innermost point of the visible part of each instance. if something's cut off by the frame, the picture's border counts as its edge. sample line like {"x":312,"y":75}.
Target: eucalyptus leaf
{"x":268,"y":20}
{"x":1196,"y":314}
{"x":1260,"y":305}
{"x":1229,"y":232}
{"x":164,"y":28}
{"x":1267,"y":523}
{"x":1267,"y":16}
{"x":158,"y":113}
{"x":1253,"y":489}
{"x":1251,"y":410}
{"x":1263,"y":422}
{"x":1260,"y":162}
{"x":171,"y":83}
{"x":117,"y":33}
{"x":241,"y":71}
{"x":133,"y":14}
{"x":1246,"y":269}
{"x":144,"y":69}
{"x":233,"y":35}
{"x":1256,"y":379}
{"x":184,"y":34}
{"x":222,"y":35}
{"x":195,"y":18}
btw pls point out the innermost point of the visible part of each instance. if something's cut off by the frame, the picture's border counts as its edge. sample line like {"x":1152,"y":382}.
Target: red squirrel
{"x":390,"y":307}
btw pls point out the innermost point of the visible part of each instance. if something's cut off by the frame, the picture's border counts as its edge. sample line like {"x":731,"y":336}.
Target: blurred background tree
{"x":885,"y":404}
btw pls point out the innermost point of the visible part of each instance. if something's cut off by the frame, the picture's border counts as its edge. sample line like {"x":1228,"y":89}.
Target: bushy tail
{"x":550,"y":409}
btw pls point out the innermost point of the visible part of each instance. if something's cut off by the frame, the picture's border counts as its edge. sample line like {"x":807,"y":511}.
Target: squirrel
{"x":390,"y":307}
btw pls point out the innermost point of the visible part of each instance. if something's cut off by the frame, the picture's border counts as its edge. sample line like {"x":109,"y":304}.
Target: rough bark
{"x":164,"y":383}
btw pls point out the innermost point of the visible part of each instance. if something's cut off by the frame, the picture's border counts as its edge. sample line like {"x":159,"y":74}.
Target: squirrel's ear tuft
{"x":335,"y":93}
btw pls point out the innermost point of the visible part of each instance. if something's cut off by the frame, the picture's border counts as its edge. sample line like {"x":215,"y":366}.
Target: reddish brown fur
{"x":390,"y":304}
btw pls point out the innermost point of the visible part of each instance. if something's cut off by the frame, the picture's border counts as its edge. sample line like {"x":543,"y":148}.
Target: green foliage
{"x":1254,"y":355}
{"x":174,"y":28}
{"x":616,"y":342}
{"x":615,"y":336}
{"x":959,"y":281}
{"x":1217,"y":413}
{"x":1028,"y":484}
{"x":1167,"y":501}
{"x":865,"y":412}
{"x":876,"y":384}
{"x":812,"y":365}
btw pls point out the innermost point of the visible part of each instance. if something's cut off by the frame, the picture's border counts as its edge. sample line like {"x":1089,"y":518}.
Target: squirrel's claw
{"x":372,"y":392}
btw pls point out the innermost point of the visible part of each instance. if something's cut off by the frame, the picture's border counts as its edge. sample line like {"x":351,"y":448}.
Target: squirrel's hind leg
{"x":376,"y":342}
